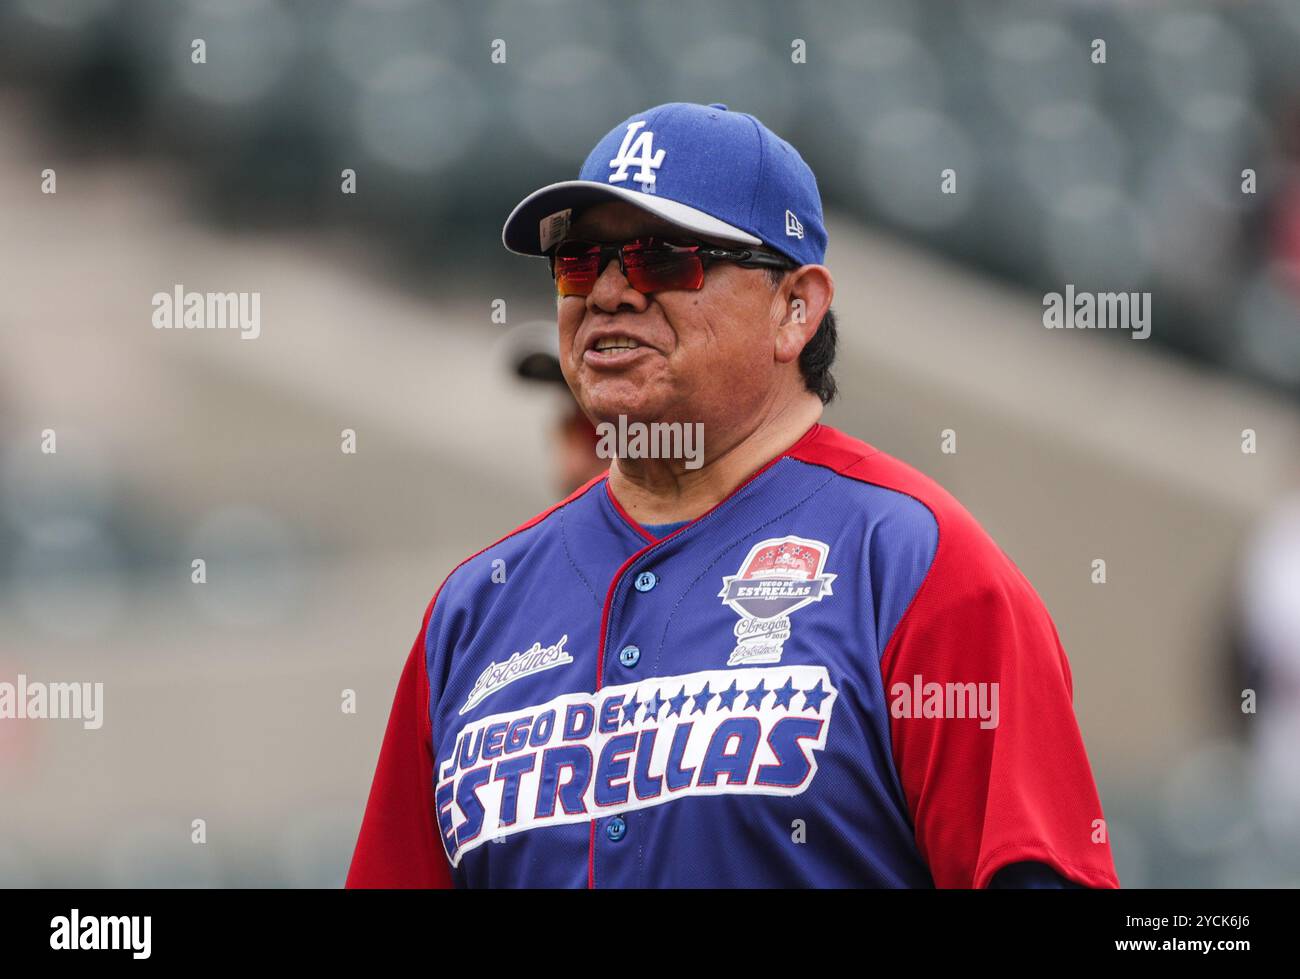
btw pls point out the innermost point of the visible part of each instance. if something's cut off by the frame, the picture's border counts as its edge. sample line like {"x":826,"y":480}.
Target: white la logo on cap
{"x":793,"y":229}
{"x":639,"y":151}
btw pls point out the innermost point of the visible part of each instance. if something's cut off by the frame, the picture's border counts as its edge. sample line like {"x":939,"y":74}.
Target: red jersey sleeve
{"x":399,"y":844}
{"x":983,"y":796}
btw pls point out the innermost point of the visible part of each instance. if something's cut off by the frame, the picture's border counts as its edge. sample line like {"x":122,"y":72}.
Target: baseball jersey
{"x":832,"y":678}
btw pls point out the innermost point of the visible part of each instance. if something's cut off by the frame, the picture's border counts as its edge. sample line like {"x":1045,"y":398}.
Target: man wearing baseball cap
{"x":794,"y":661}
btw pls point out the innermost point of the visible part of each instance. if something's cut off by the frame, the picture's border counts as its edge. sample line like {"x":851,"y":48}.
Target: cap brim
{"x":522,"y":233}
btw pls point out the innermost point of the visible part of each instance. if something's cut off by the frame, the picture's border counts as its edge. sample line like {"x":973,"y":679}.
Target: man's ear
{"x":799,"y":304}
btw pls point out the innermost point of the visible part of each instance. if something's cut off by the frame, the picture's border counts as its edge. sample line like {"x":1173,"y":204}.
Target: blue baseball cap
{"x":702,"y":167}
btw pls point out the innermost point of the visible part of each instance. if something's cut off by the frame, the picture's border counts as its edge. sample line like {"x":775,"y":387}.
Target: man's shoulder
{"x":864,"y":464}
{"x":962,"y":548}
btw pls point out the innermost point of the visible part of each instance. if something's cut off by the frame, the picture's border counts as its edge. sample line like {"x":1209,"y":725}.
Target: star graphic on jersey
{"x":629,"y":710}
{"x":652,"y":707}
{"x":702,"y":701}
{"x":785,"y":694}
{"x":675,"y":704}
{"x":756,"y":695}
{"x":813,"y":698}
{"x":727,"y":698}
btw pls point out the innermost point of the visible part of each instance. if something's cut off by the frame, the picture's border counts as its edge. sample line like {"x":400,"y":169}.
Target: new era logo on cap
{"x":702,"y":167}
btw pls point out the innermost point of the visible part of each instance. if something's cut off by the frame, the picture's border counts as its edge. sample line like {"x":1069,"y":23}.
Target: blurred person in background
{"x":1270,"y":643}
{"x":532,"y":355}
{"x":1285,"y":229}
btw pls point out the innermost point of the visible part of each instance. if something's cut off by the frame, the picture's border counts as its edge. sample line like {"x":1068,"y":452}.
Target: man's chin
{"x":626,"y":412}
{"x":610,"y":402}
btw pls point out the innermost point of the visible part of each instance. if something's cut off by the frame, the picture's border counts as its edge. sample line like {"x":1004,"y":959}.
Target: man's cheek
{"x":568,"y":330}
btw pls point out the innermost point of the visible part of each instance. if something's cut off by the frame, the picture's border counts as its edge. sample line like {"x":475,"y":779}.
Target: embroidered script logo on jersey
{"x":639,"y":151}
{"x":780,"y":576}
{"x":533,"y":660}
{"x":583,"y":755}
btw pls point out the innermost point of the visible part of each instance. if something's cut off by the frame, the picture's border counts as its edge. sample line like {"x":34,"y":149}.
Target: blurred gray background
{"x":223,"y":699}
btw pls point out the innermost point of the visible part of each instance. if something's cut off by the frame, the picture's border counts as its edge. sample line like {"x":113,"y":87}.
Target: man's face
{"x":701,"y":355}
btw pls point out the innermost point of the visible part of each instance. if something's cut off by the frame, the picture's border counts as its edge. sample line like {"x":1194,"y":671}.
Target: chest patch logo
{"x":519,"y":665}
{"x":778,"y":577}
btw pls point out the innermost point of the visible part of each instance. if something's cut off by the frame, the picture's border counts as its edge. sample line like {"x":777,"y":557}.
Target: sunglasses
{"x":648,"y":264}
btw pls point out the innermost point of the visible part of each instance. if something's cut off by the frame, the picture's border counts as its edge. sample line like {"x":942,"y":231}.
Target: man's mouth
{"x":614,"y":343}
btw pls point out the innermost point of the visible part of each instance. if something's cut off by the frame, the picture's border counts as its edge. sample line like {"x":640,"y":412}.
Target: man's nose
{"x":612,"y":291}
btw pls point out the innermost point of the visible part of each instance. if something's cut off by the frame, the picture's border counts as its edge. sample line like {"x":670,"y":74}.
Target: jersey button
{"x":615,"y":829}
{"x":629,"y":656}
{"x":646,"y":580}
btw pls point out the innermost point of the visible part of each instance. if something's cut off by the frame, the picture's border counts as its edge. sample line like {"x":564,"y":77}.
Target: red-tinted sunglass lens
{"x":656,"y":268}
{"x":576,"y":267}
